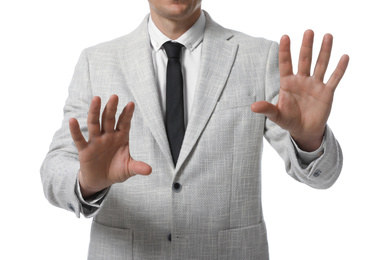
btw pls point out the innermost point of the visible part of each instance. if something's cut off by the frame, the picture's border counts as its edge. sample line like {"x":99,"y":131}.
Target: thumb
{"x":138,"y":168}
{"x":265,"y":108}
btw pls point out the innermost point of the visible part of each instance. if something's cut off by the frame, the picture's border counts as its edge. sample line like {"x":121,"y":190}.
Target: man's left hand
{"x":305,"y":101}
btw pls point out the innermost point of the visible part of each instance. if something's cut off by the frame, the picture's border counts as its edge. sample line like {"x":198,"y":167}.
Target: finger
{"x":125,"y":118}
{"x":266,"y":108}
{"x":109,"y":112}
{"x":285,"y":63}
{"x":138,"y":168}
{"x":323,"y":57}
{"x":305,"y":55}
{"x":339,"y":72}
{"x":93,"y":122}
{"x":76,"y":134}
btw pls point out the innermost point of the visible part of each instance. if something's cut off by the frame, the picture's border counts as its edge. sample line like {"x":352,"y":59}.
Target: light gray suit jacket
{"x":215,"y":212}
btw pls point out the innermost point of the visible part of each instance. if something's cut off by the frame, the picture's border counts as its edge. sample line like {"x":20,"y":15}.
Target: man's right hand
{"x":105,"y":159}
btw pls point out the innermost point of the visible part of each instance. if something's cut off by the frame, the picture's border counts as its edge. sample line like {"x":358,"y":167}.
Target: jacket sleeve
{"x":60,"y":168}
{"x":319,"y":169}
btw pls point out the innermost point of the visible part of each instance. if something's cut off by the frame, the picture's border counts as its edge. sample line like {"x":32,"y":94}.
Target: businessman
{"x":177,"y":173}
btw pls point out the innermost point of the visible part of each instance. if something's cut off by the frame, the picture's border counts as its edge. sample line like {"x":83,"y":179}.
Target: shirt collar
{"x":190,"y":39}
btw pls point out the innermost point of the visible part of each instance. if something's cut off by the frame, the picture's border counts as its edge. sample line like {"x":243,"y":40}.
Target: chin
{"x":177,"y":10}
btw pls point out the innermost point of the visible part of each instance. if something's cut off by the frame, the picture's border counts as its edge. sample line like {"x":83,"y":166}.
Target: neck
{"x":174,"y":28}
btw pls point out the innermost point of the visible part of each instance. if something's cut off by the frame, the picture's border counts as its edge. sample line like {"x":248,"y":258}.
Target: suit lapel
{"x":136,"y":59}
{"x":218,"y":55}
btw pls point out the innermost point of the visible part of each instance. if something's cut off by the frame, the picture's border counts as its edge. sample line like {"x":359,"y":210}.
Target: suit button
{"x":176,"y":187}
{"x":70,"y":207}
{"x":317,"y":173}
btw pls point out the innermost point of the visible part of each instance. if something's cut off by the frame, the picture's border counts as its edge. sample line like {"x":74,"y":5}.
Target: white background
{"x":40,"y":45}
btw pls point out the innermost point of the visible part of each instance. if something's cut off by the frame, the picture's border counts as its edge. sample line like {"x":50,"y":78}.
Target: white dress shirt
{"x":190,"y":60}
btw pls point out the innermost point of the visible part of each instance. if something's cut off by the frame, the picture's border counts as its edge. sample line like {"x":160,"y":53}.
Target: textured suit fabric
{"x":217,"y":213}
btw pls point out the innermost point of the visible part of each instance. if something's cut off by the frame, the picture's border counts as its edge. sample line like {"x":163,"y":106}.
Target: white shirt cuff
{"x":307,"y":158}
{"x":92,"y":204}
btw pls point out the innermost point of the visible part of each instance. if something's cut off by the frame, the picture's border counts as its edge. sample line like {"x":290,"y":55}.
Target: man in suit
{"x":205,"y":203}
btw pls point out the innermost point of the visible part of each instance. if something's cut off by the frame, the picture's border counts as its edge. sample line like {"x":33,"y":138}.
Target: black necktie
{"x":174,"y":99}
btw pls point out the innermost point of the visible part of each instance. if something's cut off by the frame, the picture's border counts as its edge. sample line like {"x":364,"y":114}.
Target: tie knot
{"x":173,"y":49}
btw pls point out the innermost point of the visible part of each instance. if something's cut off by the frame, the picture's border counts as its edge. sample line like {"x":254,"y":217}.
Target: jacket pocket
{"x":235,"y":102}
{"x":243,"y":243}
{"x":110,"y":243}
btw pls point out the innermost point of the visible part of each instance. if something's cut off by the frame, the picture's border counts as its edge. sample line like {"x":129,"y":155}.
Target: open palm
{"x":305,"y":101}
{"x":105,"y":158}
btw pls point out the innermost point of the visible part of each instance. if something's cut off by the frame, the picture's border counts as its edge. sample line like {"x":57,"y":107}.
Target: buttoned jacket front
{"x":209,"y":205}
